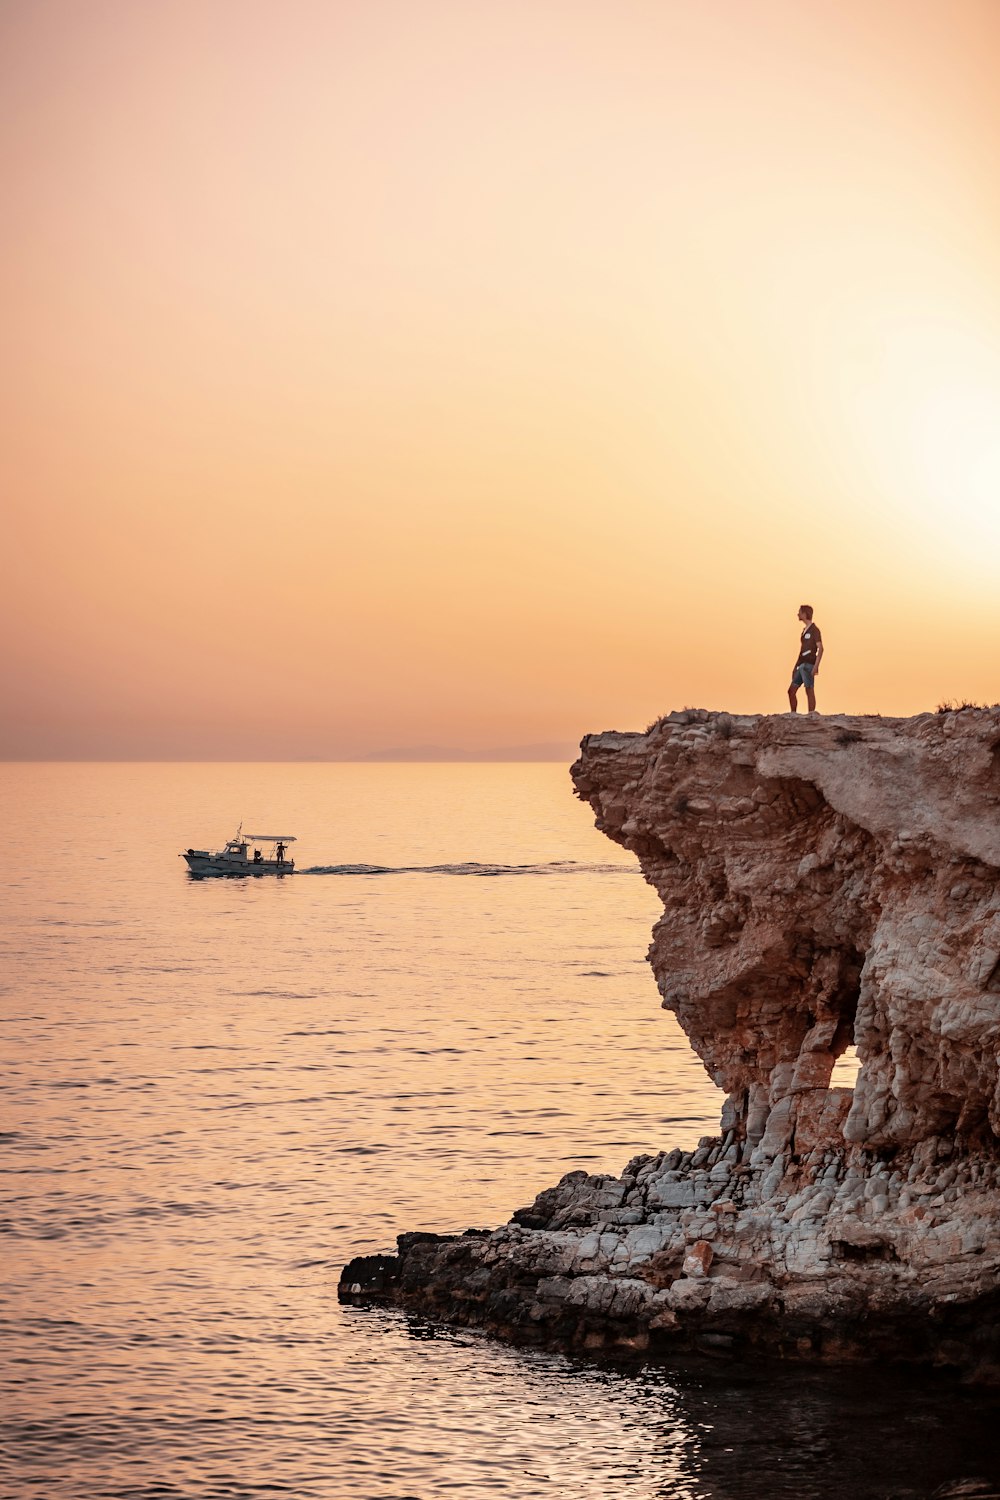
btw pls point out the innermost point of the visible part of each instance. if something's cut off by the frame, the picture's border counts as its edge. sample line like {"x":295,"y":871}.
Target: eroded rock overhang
{"x":826,"y":882}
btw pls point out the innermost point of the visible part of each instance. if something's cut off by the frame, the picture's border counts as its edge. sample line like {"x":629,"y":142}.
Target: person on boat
{"x":281,"y":853}
{"x":806,"y":668}
{"x":258,"y":858}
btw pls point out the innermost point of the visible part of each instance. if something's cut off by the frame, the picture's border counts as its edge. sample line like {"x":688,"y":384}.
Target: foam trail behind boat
{"x":471,"y":867}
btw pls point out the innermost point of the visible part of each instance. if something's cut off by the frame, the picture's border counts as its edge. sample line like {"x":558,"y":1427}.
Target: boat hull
{"x":200,"y":863}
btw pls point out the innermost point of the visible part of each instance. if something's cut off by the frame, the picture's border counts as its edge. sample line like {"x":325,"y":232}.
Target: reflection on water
{"x":217,"y":1091}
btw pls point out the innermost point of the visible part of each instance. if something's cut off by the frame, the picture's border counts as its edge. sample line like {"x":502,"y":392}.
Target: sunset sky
{"x":482,"y":373}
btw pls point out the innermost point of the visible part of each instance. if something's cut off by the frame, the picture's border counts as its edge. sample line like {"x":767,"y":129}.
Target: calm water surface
{"x":216,"y":1092}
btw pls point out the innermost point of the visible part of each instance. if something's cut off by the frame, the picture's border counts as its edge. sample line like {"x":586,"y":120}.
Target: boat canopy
{"x":269,"y":838}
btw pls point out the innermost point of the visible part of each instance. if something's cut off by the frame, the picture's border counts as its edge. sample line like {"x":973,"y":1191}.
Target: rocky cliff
{"x":826,"y":883}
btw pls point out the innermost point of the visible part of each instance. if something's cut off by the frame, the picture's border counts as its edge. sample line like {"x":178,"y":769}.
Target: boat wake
{"x":551,"y":867}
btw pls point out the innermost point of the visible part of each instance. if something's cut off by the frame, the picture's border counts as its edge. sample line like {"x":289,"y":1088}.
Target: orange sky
{"x":486,"y":372}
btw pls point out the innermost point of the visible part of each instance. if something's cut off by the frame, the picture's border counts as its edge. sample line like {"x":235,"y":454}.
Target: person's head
{"x":805,"y":613}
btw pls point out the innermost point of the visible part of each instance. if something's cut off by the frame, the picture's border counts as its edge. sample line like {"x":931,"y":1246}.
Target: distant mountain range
{"x":549,"y":751}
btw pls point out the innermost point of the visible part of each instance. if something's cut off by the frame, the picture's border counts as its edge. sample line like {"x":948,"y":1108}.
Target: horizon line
{"x":470,"y":758}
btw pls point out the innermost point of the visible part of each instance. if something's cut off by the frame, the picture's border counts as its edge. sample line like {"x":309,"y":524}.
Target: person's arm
{"x":819,"y":651}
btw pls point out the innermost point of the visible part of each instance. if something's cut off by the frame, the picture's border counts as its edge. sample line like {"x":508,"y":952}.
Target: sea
{"x":215,"y":1092}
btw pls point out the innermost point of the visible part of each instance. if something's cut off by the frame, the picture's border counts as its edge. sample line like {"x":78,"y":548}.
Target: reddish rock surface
{"x":826,"y":882}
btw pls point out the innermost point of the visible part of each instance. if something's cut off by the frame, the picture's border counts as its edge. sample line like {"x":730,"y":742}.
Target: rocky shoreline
{"x":826,"y":883}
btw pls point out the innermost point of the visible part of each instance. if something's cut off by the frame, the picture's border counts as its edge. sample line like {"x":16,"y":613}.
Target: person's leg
{"x":793,"y":691}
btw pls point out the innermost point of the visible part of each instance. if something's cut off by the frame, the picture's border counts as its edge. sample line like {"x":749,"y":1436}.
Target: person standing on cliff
{"x":805,"y":669}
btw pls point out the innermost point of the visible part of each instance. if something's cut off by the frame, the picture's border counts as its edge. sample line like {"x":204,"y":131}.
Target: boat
{"x":236,"y":858}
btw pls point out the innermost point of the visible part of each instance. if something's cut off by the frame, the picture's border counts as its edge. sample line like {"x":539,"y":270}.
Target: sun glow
{"x":931,"y":424}
{"x":956,"y":451}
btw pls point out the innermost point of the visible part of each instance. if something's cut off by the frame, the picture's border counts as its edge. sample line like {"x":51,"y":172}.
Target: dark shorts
{"x":802,"y":675}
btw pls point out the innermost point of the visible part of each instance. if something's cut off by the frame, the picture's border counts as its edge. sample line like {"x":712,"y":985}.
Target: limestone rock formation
{"x":826,"y":883}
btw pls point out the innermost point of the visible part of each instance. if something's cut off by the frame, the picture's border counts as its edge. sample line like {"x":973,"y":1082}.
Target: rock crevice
{"x":826,"y":883}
